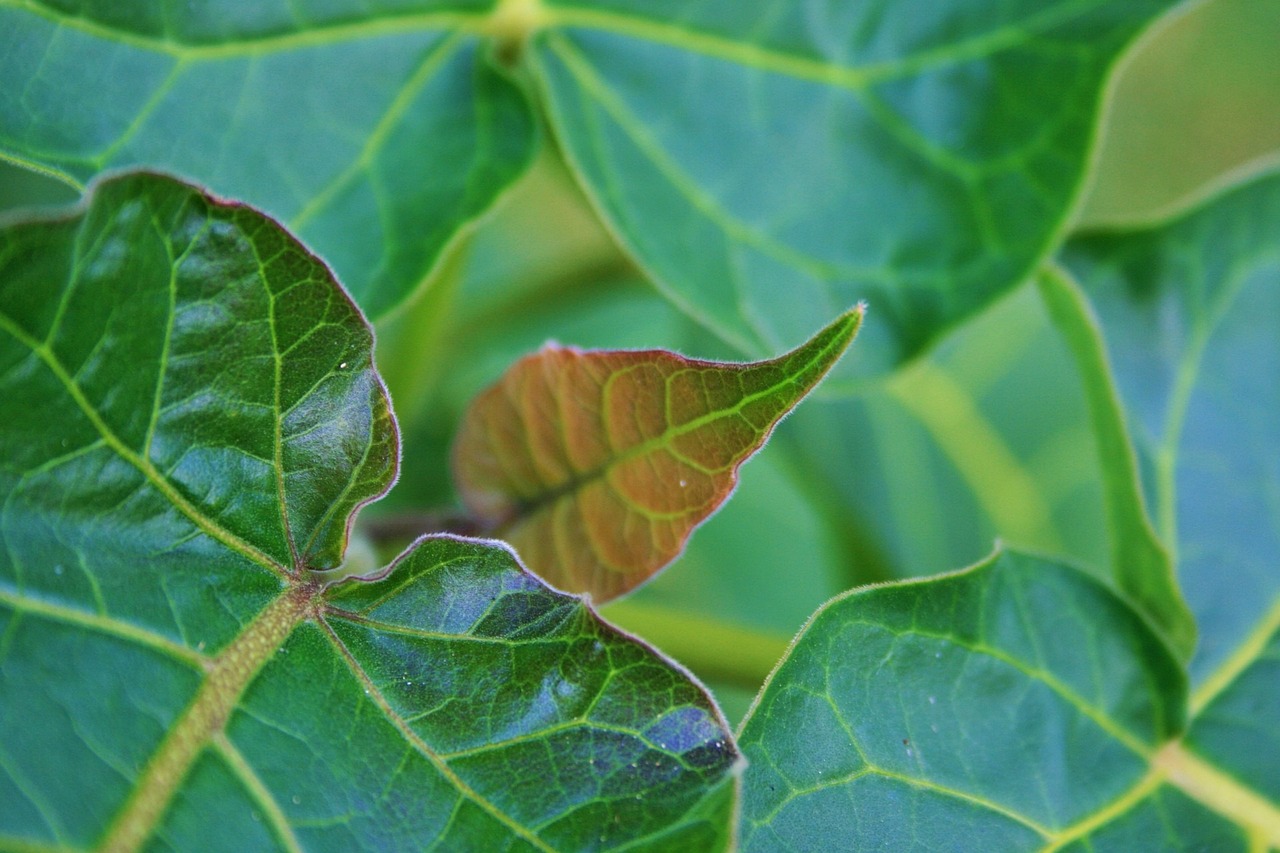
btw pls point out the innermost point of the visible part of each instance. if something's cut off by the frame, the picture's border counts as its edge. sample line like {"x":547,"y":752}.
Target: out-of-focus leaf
{"x":24,"y":189}
{"x":1140,"y":564}
{"x":1190,"y":310}
{"x":770,"y":164}
{"x":374,"y":131}
{"x":984,"y":438}
{"x":191,"y":418}
{"x":597,"y":466}
{"x":1018,"y":705}
{"x":1198,"y":98}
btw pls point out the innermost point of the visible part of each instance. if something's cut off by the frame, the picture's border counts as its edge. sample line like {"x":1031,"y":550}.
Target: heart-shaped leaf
{"x":318,"y":115}
{"x":597,"y":466}
{"x":191,"y":419}
{"x":770,"y":164}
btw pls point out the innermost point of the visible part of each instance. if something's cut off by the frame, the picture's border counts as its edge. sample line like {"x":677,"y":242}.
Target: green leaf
{"x":935,"y":170}
{"x":373,"y":132}
{"x":984,"y":438}
{"x":1018,"y":702}
{"x":597,"y":466}
{"x":769,"y":165}
{"x":1190,"y":309}
{"x":729,"y":569}
{"x":165,"y":518}
{"x":1140,"y":564}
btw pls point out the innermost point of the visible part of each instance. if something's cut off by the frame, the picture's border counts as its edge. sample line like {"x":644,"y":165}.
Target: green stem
{"x":229,"y":675}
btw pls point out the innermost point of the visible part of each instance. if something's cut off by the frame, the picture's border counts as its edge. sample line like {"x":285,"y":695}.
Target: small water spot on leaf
{"x":297,"y":800}
{"x":342,"y":366}
{"x":934,"y":727}
{"x":933,"y":700}
{"x":937,"y":655}
{"x":57,"y":570}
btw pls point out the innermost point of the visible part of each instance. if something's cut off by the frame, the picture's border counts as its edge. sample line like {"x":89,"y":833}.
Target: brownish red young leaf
{"x":597,"y":466}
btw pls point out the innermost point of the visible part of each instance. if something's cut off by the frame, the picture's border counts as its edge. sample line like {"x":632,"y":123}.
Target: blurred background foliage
{"x":984,"y":439}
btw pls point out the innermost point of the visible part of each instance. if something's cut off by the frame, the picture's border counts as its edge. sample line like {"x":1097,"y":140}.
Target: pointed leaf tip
{"x":597,"y":466}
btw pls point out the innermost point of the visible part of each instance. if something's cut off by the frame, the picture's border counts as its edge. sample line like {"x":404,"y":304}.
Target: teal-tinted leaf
{"x":374,"y":131}
{"x":1190,"y":309}
{"x":772,"y":164}
{"x":1140,"y":564}
{"x":1018,"y":705}
{"x":984,"y":438}
{"x":583,"y":737}
{"x":191,"y":417}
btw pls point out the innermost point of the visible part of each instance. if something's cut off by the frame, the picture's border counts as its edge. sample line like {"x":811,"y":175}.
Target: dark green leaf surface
{"x":1017,"y":705}
{"x":374,"y":131}
{"x":191,"y":417}
{"x":771,"y":164}
{"x":1190,"y":309}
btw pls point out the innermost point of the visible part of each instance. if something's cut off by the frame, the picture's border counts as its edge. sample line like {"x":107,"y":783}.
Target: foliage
{"x":222,"y":627}
{"x":598,"y":466}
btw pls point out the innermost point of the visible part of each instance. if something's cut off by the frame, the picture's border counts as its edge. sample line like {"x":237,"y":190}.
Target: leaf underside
{"x":173,"y":673}
{"x":597,"y":466}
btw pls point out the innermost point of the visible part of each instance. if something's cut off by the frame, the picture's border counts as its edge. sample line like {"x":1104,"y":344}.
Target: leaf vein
{"x":144,"y":465}
{"x":423,"y":747}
